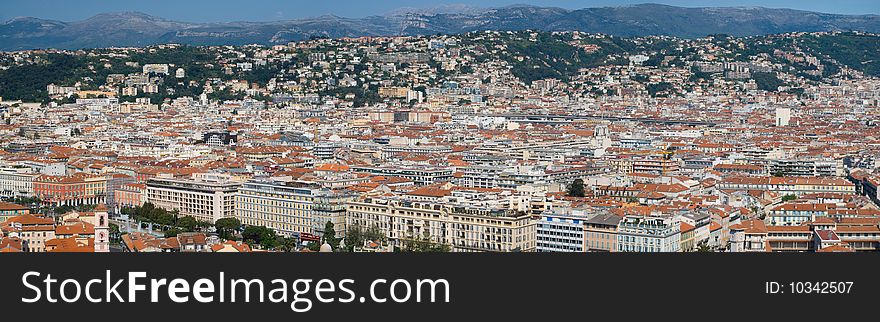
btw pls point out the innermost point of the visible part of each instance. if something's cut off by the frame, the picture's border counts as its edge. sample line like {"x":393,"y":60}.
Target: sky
{"x":267,"y":10}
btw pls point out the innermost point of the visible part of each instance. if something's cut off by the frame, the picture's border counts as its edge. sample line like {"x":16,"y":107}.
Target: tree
{"x":114,"y":231}
{"x":356,"y":235}
{"x":330,"y":235}
{"x":767,"y":81}
{"x":60,"y":210}
{"x":260,"y":235}
{"x":286,"y":244}
{"x":661,"y":89}
{"x":424,"y":245}
{"x":576,"y":188}
{"x":703,"y":247}
{"x":226,"y":227}
{"x":187,"y":223}
{"x":203,"y":224}
{"x":789,"y":197}
{"x":353,"y":236}
{"x":375,"y":234}
{"x":252,"y":234}
{"x":173,"y":232}
{"x":165,"y":218}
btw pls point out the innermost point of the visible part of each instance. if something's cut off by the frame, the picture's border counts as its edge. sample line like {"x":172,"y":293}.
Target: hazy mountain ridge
{"x":138,"y":29}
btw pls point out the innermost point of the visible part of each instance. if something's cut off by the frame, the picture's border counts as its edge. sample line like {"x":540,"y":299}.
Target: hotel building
{"x":206,"y":197}
{"x":420,"y":174}
{"x":291,"y":208}
{"x":464,"y":227}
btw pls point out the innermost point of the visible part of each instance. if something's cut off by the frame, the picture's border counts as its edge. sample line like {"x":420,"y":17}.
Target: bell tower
{"x":102,"y":230}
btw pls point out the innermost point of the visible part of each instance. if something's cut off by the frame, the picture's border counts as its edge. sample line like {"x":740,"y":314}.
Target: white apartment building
{"x":16,"y":182}
{"x":156,"y":68}
{"x":652,"y":233}
{"x":561,"y":230}
{"x":807,"y":167}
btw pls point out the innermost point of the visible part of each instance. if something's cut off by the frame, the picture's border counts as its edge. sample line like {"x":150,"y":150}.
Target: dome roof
{"x":326,"y":248}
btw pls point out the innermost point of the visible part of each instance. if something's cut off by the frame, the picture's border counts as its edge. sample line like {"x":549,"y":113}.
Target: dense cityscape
{"x":487,"y":141}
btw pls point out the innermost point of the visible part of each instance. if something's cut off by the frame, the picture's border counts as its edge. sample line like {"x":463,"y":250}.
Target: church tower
{"x":102,"y":230}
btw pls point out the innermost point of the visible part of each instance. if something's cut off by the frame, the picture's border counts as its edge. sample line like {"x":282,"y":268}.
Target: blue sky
{"x":263,"y":10}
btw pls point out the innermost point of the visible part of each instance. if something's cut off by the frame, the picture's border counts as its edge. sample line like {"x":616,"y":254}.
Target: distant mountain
{"x":445,"y":9}
{"x":138,"y":29}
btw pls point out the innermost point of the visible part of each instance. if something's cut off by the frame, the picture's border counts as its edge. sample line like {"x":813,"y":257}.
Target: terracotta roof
{"x":30,"y":219}
{"x":71,"y":245}
{"x":430,"y":192}
{"x":10,"y":244}
{"x":685,"y":227}
{"x":8,"y":206}
{"x":835,"y":249}
{"x":80,"y":228}
{"x":753,"y":226}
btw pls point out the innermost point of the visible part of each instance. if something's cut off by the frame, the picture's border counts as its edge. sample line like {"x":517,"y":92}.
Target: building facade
{"x":291,"y":208}
{"x":74,"y":190}
{"x":561,"y":232}
{"x":16,"y":182}
{"x":649,"y":233}
{"x":206,"y":198}
{"x":465,"y":228}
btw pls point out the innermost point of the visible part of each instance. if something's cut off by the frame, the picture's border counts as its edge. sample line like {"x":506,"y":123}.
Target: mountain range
{"x":124,"y":29}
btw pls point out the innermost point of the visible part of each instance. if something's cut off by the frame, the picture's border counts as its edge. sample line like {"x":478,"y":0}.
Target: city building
{"x":291,"y":208}
{"x":600,"y":232}
{"x":9,"y":210}
{"x":77,"y":189}
{"x":465,"y":228}
{"x":205,"y":197}
{"x":788,"y":185}
{"x":649,"y":233}
{"x":561,"y":232}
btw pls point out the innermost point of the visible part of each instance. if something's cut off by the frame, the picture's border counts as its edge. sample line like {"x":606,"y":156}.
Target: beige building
{"x":33,"y":230}
{"x":465,"y":228}
{"x":291,"y":208}
{"x":203,"y":197}
{"x":788,"y":185}
{"x":600,"y":233}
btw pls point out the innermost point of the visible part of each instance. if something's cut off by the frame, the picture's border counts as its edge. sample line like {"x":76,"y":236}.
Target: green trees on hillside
{"x":28,"y":82}
{"x":858,"y":51}
{"x":767,"y":81}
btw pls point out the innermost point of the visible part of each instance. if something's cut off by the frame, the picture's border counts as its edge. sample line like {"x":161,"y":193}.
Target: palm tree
{"x":703,"y":247}
{"x":286,"y":244}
